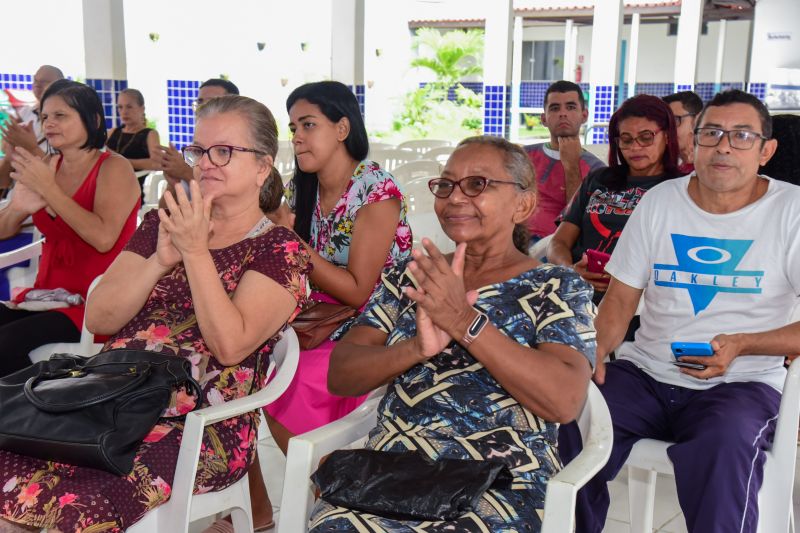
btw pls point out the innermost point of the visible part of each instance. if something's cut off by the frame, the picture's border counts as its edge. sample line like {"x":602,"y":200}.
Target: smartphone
{"x":696,"y":349}
{"x":597,"y":261}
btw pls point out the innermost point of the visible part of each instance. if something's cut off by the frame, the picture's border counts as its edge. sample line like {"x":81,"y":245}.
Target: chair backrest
{"x":422,"y":168}
{"x":377,"y":145}
{"x":421,"y":217}
{"x":597,"y":434}
{"x":441,"y":154}
{"x":423,"y":145}
{"x":392,"y":158}
{"x":598,"y":150}
{"x":153,"y":188}
{"x":284,"y":161}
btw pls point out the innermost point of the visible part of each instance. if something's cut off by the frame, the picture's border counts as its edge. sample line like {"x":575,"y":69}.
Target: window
{"x":542,"y":60}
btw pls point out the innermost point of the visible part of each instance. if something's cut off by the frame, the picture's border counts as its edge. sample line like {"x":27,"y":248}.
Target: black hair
{"x":86,"y":102}
{"x":229,"y":86}
{"x":564,"y":86}
{"x":735,"y":96}
{"x":785,"y":163}
{"x":335,"y":100}
{"x":688,"y":99}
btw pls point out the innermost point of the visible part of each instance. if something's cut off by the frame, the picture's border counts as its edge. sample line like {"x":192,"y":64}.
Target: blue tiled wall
{"x":656,"y":89}
{"x":360,"y":96}
{"x":706,"y":91}
{"x":16,"y":81}
{"x":602,"y":108}
{"x":108,"y":90}
{"x":683,"y":87}
{"x":495,"y":109}
{"x":181,"y":94}
{"x":758,"y":89}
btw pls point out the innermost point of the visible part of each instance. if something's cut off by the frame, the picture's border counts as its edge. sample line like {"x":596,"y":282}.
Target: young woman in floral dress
{"x":210,"y":279}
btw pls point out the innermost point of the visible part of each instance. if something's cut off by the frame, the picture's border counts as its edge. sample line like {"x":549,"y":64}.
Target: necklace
{"x":128,"y":144}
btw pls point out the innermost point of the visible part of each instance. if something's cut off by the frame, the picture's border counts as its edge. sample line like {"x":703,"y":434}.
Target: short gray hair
{"x":515,"y":160}
{"x":263,"y":128}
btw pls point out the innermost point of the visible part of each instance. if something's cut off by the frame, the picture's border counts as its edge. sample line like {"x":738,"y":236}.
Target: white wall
{"x":201,"y":39}
{"x":776,"y":38}
{"x":42,"y":32}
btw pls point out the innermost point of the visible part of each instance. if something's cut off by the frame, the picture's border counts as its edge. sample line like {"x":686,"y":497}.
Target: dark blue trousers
{"x":720,"y":436}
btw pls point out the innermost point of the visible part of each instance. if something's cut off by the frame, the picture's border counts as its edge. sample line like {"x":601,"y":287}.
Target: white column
{"x":723,"y":25}
{"x":569,"y":52}
{"x":634,"y":55}
{"x":689,"y":26}
{"x":516,"y":79}
{"x":497,"y":66}
{"x":104,"y":53}
{"x":347,"y":46}
{"x":606,"y":29}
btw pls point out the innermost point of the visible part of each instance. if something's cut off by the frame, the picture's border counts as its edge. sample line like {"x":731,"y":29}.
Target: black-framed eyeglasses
{"x":645,"y":138}
{"x":219,"y":154}
{"x":738,"y":139}
{"x":471,"y":186}
{"x":679,"y":118}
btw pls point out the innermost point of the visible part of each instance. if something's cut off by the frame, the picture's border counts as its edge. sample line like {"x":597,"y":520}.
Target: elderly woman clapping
{"x":484,"y":351}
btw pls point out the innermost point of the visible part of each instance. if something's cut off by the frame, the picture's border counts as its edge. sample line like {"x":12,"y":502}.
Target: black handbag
{"x":91,"y":412}
{"x":407,"y":485}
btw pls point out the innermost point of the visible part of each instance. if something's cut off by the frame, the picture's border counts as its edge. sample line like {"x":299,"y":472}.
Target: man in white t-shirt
{"x":719,"y":254}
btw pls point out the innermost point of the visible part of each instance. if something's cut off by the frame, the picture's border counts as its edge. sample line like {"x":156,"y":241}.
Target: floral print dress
{"x":451,"y":406}
{"x":55,"y":495}
{"x":307,"y":404}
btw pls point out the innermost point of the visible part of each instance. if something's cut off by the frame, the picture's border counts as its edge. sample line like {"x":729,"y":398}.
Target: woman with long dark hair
{"x":643,"y":152}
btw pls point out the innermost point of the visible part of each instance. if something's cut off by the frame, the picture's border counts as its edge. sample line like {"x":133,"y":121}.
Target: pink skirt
{"x":307,"y":404}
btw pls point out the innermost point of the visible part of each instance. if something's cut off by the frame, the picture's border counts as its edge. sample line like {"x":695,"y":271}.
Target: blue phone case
{"x":679,"y":349}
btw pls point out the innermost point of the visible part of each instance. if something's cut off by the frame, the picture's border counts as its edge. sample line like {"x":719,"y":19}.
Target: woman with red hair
{"x":643,"y":152}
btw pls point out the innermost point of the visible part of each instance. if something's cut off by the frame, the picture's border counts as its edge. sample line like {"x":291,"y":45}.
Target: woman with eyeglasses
{"x":643,"y":152}
{"x":84,"y":202}
{"x":484,"y":351}
{"x":211,"y":280}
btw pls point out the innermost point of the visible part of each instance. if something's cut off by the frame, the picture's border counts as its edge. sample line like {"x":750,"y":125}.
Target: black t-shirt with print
{"x":601,"y":211}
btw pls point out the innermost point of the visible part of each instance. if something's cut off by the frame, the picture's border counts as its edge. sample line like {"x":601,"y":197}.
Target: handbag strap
{"x":140,"y":370}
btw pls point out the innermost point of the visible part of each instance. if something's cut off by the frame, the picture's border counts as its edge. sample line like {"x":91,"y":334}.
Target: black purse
{"x":407,"y":485}
{"x":91,"y":412}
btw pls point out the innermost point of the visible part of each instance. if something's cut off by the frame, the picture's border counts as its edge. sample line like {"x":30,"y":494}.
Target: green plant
{"x":451,"y":56}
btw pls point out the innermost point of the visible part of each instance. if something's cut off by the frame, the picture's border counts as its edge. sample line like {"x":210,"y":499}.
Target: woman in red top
{"x":82,"y":200}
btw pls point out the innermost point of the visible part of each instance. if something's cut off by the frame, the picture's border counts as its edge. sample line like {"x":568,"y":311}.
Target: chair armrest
{"x":24,"y":253}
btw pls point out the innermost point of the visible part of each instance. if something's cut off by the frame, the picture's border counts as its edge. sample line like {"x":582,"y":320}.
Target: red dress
{"x":68,"y":261}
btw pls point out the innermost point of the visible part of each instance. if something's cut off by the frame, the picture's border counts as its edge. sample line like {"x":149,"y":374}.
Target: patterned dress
{"x":451,"y":406}
{"x":307,"y":404}
{"x":48,"y":494}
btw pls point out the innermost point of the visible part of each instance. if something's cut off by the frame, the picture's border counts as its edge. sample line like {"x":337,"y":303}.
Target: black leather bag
{"x":93,"y":411}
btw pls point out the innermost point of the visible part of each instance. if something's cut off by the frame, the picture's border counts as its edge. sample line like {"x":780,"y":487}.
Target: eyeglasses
{"x":646,"y":138}
{"x":471,"y":186}
{"x":739,"y":139}
{"x":679,"y":118}
{"x":219,"y":154}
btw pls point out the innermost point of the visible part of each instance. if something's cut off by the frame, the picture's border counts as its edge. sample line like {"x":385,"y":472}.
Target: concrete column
{"x":606,"y":29}
{"x":634,"y":55}
{"x":497,"y":67}
{"x":720,"y":55}
{"x":516,"y":80}
{"x":347,"y":46}
{"x":689,"y":26}
{"x":569,"y":51}
{"x":104,"y":52}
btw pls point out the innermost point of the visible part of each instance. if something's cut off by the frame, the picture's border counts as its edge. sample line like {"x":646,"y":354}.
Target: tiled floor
{"x":667,"y":516}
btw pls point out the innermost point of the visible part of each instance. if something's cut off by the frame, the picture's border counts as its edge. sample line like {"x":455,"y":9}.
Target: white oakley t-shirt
{"x":707,"y":274}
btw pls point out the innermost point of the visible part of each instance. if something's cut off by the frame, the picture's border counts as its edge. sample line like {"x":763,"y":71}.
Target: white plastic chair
{"x":649,"y":458}
{"x":598,"y":150}
{"x":377,"y":145}
{"x":153,"y":188}
{"x":597,"y":435}
{"x":284,"y":161}
{"x":539,"y":249}
{"x":184,"y":507}
{"x":390,"y":159}
{"x":422,"y":168}
{"x":422,"y":146}
{"x":441,"y":154}
{"x":421,"y":217}
{"x":306,"y":451}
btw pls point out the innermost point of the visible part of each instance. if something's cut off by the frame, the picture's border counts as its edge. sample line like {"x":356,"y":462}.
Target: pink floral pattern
{"x":331,"y":235}
{"x":45,"y":494}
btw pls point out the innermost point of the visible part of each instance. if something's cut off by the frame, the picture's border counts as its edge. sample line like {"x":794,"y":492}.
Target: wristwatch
{"x":475,"y":328}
